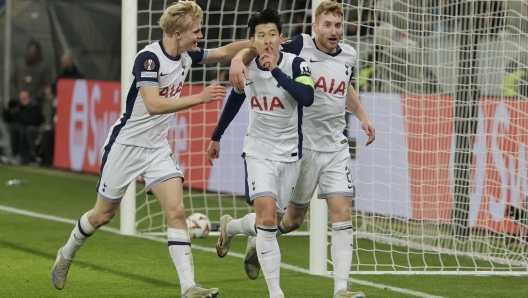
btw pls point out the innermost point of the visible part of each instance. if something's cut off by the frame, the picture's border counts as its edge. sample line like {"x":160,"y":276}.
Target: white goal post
{"x":442,"y":190}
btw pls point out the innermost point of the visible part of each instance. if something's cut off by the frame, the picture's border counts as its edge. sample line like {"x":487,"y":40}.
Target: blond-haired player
{"x":326,"y":161}
{"x":137,"y":143}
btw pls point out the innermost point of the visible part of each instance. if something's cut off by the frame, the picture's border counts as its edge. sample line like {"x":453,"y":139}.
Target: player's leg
{"x":267,"y":247}
{"x":111,"y":188}
{"x":165,"y":180}
{"x":337,"y":187}
{"x":309,"y":174}
{"x":293,"y":219}
{"x":294,"y":216}
{"x":100,"y":215}
{"x":230,"y":227}
{"x":267,"y":181}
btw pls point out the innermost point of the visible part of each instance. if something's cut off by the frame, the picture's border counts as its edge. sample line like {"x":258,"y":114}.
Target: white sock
{"x":244,"y":225}
{"x":82,"y":230}
{"x":342,"y":246}
{"x":180,"y":252}
{"x":269,"y":257}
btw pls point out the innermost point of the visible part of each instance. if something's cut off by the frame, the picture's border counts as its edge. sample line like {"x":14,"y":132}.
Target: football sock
{"x":82,"y":230}
{"x":269,"y":257}
{"x":244,"y":225}
{"x":180,"y":252}
{"x":341,"y":251}
{"x":281,"y":230}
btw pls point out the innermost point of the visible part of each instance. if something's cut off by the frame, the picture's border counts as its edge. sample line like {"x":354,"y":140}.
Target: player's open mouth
{"x":333,"y":39}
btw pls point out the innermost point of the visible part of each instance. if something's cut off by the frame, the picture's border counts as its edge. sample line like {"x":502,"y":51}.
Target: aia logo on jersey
{"x":173,"y":92}
{"x":323,"y":84}
{"x":262,"y":104}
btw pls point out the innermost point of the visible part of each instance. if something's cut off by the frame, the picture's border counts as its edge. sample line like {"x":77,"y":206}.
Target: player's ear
{"x":314,"y":27}
{"x":281,"y":37}
{"x":177,"y":35}
{"x":252,"y":41}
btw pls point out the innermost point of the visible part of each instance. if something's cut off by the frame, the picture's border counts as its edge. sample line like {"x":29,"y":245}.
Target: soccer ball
{"x":199,"y":225}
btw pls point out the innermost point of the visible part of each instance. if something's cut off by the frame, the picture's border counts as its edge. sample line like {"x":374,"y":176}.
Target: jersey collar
{"x":167,"y":54}
{"x":339,"y":50}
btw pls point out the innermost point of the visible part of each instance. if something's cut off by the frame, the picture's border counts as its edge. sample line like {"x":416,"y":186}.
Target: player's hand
{"x":369,"y":131}
{"x":267,"y":60}
{"x":236,"y":70}
{"x":212,"y":93}
{"x":213,"y":152}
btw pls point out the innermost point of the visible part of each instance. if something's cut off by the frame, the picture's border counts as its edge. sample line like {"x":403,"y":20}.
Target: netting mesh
{"x":443,"y":188}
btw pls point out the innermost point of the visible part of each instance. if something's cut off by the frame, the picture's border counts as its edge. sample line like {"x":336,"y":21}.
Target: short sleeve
{"x":293,"y":45}
{"x":198,"y":56}
{"x":300,"y":68}
{"x":146,"y":68}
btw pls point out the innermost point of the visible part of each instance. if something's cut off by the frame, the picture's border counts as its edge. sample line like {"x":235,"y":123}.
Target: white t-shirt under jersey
{"x":324,"y":121}
{"x":152,"y":67}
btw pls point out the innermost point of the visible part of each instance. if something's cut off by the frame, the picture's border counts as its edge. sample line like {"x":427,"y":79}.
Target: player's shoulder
{"x":295,"y":44}
{"x":150,"y":52}
{"x":347,"y":49}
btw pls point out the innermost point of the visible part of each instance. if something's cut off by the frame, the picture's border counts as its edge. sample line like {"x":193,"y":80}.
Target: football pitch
{"x":35,"y":220}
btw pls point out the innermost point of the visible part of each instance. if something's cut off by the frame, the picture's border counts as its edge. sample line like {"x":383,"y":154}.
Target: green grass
{"x":112,"y":265}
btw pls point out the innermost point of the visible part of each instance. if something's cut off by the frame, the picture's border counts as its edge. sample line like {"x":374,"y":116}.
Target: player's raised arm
{"x":156,"y":105}
{"x":231,"y":108}
{"x":301,"y":86}
{"x":227,"y":52}
{"x":354,"y":105}
{"x":238,"y":68}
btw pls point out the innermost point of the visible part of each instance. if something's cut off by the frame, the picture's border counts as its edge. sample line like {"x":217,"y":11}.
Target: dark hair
{"x":53,"y":88}
{"x":265,"y":16}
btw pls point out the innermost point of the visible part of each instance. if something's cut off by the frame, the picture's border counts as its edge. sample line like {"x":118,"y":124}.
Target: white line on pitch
{"x":208,"y":249}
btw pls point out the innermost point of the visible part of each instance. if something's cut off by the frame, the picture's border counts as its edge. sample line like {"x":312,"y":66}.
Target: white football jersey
{"x":152,"y":67}
{"x":324,"y":121}
{"x":275,"y":118}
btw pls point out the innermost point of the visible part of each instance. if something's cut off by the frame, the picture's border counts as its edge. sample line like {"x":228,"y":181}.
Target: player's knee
{"x":269,"y":221}
{"x":295,"y":224}
{"x":175,"y":212}
{"x":339,"y":215}
{"x":98,"y":220}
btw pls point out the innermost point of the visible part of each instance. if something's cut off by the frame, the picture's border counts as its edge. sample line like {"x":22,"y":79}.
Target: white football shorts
{"x":124,"y":163}
{"x":329,"y":170}
{"x":271,"y":178}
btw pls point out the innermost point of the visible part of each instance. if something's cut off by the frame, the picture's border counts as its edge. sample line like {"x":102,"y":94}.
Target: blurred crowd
{"x":28,"y":127}
{"x":389,"y":32}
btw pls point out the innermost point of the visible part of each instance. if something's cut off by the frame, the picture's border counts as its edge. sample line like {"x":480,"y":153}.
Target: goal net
{"x":443,"y":189}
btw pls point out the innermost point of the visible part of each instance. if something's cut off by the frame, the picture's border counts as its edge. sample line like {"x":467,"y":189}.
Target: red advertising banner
{"x":500,"y":151}
{"x":429,"y":131}
{"x":87,"y":109}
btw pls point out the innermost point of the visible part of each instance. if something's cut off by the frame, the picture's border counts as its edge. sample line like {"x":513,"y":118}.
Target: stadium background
{"x":464,"y":109}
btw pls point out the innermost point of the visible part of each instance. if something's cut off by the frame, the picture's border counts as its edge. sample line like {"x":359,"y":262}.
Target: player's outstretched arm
{"x":227,"y":52}
{"x":156,"y":105}
{"x":238,"y":68}
{"x":231,"y":108}
{"x":354,"y":105}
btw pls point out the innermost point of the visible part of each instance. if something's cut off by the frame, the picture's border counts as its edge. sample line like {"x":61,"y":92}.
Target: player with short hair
{"x":326,"y":160}
{"x":280,"y":86}
{"x":137,"y":143}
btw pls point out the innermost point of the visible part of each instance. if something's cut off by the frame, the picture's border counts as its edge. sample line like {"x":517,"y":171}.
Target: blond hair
{"x":329,"y":7}
{"x":180,"y":17}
